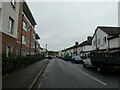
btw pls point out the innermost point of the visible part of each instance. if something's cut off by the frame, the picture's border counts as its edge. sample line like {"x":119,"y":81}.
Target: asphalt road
{"x":64,"y":74}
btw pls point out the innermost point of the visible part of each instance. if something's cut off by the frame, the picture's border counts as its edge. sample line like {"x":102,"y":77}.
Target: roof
{"x":87,"y":42}
{"x":41,"y":48}
{"x":37,"y":36}
{"x":28,"y":13}
{"x":109,"y":30}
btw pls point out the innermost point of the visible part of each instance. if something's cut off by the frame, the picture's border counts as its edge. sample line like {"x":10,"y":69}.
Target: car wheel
{"x":100,"y":68}
{"x":84,"y":65}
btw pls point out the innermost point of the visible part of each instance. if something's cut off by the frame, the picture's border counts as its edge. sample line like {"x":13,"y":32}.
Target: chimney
{"x":76,"y":43}
{"x":89,"y":38}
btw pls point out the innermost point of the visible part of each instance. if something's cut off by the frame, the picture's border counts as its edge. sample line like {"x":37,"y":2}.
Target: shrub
{"x":10,"y":64}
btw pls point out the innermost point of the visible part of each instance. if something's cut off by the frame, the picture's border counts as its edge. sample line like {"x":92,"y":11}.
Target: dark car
{"x":76,"y":59}
{"x":50,"y":57}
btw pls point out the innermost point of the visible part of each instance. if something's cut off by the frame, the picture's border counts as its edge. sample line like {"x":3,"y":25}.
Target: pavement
{"x":64,"y":74}
{"x":23,"y":77}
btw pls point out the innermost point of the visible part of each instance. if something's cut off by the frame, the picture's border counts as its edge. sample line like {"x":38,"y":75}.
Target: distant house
{"x":72,"y":50}
{"x":106,"y":38}
{"x":85,"y":46}
{"x":37,"y":45}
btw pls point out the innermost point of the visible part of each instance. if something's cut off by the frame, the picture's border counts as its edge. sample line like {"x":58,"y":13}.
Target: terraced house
{"x":18,"y":29}
{"x":106,"y":38}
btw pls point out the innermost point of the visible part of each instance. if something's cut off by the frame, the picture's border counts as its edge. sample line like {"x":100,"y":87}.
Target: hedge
{"x":10,"y":64}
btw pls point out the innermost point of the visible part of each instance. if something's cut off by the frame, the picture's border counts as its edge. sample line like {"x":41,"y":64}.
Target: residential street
{"x":64,"y":74}
{"x":23,"y":77}
{"x":60,"y":44}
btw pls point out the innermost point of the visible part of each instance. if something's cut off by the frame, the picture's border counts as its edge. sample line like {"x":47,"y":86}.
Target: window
{"x":10,"y":25}
{"x":8,"y":49}
{"x":23,"y":39}
{"x":98,"y":41}
{"x":13,"y":3}
{"x":24,"y":25}
{"x":104,"y":40}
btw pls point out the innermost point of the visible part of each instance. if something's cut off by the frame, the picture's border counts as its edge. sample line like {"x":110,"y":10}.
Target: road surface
{"x":64,"y":74}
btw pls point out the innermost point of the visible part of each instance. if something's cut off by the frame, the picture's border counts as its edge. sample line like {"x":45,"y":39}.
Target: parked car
{"x":50,"y":57}
{"x":46,"y":56}
{"x":67,"y":56}
{"x":102,"y":60}
{"x":76,"y":59}
{"x":86,"y":59}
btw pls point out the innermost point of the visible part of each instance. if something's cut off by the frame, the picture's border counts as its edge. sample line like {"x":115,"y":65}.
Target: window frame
{"x":104,"y":40}
{"x":9,"y":49}
{"x":24,"y":26}
{"x":24,"y":40}
{"x":10,"y":25}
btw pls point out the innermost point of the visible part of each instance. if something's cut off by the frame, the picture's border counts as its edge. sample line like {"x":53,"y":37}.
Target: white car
{"x":87,"y":60}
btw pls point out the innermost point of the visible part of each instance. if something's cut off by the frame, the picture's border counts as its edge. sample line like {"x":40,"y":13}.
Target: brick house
{"x":26,"y":31}
{"x":17,"y":29}
{"x":8,"y":26}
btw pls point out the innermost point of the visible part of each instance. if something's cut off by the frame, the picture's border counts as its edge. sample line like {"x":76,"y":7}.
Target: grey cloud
{"x":62,"y":24}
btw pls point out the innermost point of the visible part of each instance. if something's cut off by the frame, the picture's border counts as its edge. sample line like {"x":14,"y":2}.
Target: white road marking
{"x":94,"y":78}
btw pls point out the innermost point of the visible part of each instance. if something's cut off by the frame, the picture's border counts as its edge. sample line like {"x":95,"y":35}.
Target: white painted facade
{"x":87,"y":48}
{"x":114,"y":43}
{"x":6,"y":12}
{"x":99,"y":35}
{"x":99,"y":38}
{"x":79,"y":49}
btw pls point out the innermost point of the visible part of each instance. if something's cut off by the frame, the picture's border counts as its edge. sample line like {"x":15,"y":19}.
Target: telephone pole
{"x":46,"y":47}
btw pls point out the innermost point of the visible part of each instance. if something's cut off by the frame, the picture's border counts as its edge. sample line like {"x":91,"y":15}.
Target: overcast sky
{"x":61,"y":24}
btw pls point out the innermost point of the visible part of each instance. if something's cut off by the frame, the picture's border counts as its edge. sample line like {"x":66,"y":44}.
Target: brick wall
{"x":6,"y":39}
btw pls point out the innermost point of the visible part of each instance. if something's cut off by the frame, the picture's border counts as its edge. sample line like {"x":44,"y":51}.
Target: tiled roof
{"x":111,"y":30}
{"x":87,"y":42}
